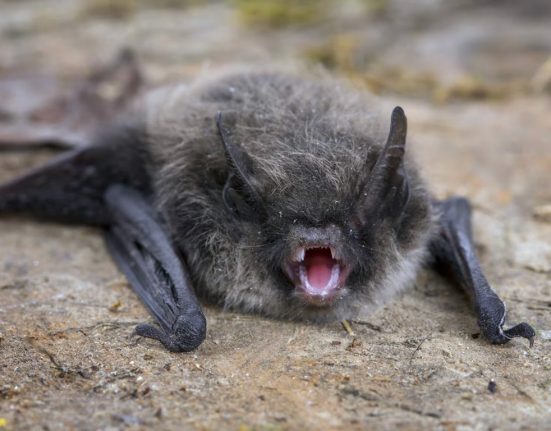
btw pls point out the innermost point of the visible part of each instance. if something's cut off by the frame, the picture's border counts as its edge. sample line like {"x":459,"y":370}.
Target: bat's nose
{"x":328,"y":236}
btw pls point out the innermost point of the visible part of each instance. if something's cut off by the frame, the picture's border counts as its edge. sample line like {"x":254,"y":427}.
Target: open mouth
{"x":317,"y":273}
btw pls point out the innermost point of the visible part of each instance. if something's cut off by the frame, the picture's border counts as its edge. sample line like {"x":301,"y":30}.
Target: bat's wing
{"x":83,"y":186}
{"x":39,"y":111}
{"x":69,"y":188}
{"x":144,"y":253}
{"x":453,"y":251}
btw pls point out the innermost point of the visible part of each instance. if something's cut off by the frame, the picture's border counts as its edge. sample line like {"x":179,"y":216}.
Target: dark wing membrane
{"x":85,"y":186}
{"x":69,"y":189}
{"x":454,"y":252}
{"x":144,"y":253}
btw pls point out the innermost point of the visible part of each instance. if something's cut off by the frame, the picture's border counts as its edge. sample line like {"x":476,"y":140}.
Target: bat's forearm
{"x":144,"y":253}
{"x":453,"y":250}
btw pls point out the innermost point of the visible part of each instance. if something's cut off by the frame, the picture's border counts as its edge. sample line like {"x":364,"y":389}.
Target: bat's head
{"x":339,"y":227}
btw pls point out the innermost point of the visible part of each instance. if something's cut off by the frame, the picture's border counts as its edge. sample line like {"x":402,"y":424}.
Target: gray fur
{"x":313,"y":144}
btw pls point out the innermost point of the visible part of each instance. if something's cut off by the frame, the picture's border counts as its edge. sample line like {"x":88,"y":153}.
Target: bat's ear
{"x":386,"y":191}
{"x":239,"y":194}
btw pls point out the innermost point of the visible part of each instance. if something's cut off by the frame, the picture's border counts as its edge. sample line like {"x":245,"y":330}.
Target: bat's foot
{"x":491,"y":319}
{"x":187,"y":333}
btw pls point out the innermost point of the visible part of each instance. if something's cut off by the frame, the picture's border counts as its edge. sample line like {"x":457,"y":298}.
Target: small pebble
{"x":545,"y":335}
{"x":492,"y":386}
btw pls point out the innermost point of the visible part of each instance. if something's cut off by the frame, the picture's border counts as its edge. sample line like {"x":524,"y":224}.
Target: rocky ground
{"x":474,"y":82}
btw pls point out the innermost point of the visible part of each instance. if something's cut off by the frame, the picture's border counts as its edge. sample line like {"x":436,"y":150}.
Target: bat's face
{"x":326,"y":249}
{"x":332,"y":223}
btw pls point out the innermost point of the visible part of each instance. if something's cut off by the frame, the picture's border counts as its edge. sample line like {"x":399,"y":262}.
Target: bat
{"x":262,"y":192}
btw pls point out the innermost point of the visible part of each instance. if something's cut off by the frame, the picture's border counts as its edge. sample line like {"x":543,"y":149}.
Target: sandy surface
{"x":67,"y":356}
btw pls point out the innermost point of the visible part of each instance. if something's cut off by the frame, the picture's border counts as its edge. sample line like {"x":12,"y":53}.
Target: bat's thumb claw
{"x":149,"y":331}
{"x":522,"y":330}
{"x":491,"y":315}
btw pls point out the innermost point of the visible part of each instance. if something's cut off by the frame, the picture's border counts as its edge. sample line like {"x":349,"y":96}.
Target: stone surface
{"x":67,"y":356}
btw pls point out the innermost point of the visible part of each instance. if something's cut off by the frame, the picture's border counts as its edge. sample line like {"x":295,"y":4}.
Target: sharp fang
{"x":299,"y":255}
{"x":333,"y":254}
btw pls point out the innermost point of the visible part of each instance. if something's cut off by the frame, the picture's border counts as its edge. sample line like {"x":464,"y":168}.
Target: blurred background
{"x":440,"y":50}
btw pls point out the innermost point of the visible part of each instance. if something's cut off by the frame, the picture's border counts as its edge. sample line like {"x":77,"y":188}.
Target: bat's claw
{"x":495,"y":333}
{"x":186,"y":335}
{"x":491,"y":318}
{"x":454,"y":248}
{"x":521,"y":330}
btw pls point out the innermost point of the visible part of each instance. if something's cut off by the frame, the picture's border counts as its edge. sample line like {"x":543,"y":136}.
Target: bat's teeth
{"x":299,"y":255}
{"x":333,"y":253}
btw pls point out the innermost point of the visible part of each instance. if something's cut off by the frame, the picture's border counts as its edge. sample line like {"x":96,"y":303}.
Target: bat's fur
{"x":313,"y":145}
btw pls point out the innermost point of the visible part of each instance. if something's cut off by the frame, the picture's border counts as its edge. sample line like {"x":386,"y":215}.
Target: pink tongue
{"x":319,"y":263}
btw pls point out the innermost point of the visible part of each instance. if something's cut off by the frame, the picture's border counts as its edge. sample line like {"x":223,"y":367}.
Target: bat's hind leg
{"x":453,"y":251}
{"x":144,"y":253}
